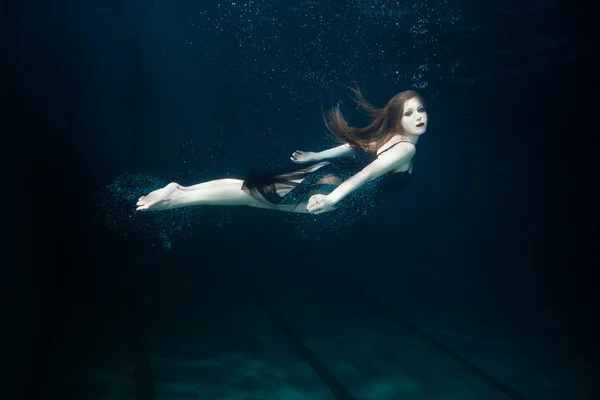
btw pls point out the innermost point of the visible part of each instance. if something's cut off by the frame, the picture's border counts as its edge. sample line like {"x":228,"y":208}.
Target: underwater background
{"x":478,"y":281}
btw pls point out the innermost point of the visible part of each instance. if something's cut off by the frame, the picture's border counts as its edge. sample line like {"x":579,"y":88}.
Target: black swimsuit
{"x":323,"y":178}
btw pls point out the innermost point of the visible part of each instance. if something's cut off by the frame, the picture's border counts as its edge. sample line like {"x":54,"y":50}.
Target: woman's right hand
{"x":304,"y":157}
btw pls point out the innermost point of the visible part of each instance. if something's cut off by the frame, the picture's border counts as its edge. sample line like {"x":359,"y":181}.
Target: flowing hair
{"x":385,"y":124}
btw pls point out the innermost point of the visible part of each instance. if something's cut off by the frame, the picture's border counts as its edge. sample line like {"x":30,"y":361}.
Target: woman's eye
{"x":422,"y":109}
{"x":408,"y":113}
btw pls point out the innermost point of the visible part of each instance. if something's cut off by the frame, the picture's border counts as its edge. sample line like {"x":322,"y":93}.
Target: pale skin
{"x":228,"y":192}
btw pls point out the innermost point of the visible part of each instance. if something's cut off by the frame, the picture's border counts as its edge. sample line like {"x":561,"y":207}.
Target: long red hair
{"x":385,"y":124}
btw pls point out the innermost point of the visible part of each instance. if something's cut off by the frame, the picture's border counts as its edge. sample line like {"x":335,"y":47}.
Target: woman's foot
{"x":161,"y":199}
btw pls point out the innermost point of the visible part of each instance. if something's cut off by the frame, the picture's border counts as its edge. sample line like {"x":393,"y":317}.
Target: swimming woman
{"x":330,"y":181}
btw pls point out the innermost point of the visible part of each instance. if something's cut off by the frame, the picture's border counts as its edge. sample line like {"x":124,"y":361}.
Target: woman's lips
{"x":420,"y":125}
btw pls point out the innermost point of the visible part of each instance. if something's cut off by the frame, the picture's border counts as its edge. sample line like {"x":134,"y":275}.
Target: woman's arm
{"x":303,"y":157}
{"x":386,"y":162}
{"x":336,"y":152}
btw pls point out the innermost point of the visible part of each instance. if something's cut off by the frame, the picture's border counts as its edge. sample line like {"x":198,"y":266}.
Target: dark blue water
{"x":482,"y":271}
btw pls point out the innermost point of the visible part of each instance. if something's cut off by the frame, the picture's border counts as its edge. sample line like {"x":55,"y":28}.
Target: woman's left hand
{"x":319,"y":203}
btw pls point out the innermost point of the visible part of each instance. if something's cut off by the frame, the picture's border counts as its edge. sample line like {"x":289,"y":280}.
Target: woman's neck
{"x":413,"y":138}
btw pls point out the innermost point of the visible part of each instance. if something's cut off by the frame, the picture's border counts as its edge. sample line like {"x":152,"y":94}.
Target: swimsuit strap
{"x":402,"y":141}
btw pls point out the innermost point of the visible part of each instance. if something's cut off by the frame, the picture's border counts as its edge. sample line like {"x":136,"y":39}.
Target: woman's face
{"x":414,"y":119}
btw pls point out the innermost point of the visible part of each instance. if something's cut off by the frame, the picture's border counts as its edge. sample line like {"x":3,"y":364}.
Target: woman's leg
{"x":216,"y":182}
{"x":221,"y":192}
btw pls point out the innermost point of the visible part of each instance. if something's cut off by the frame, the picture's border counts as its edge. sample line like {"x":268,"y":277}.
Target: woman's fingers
{"x":311,"y":205}
{"x":315,"y":204}
{"x":297,"y":156}
{"x":315,"y":209}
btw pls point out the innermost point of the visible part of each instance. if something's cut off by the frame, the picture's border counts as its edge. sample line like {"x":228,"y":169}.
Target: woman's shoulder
{"x":393,"y":141}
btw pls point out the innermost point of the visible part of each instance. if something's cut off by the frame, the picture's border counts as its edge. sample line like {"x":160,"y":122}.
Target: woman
{"x":388,"y":143}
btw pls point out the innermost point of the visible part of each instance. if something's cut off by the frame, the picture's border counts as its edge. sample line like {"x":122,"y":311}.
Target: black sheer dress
{"x":295,"y":187}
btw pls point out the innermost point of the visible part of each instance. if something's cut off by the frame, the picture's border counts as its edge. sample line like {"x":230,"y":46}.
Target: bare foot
{"x":157,"y":200}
